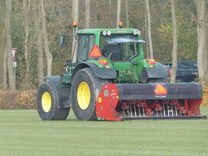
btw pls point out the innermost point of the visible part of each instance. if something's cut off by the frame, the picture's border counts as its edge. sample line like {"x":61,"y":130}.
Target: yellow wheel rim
{"x":46,"y":101}
{"x":83,"y":95}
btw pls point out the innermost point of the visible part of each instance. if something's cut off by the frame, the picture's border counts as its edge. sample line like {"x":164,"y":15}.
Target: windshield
{"x":120,"y":47}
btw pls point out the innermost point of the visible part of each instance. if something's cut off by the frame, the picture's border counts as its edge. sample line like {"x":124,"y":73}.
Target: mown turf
{"x":22,"y":133}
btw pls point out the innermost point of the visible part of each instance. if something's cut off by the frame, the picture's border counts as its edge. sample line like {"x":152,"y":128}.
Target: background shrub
{"x":18,"y":99}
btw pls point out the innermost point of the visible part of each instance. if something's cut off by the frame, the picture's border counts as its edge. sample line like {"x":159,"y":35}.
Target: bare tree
{"x":127,"y":13}
{"x":3,"y":46}
{"x":48,"y":55}
{"x":146,"y":32}
{"x":75,"y":11}
{"x":39,"y":41}
{"x":202,"y":40}
{"x":110,"y":6}
{"x":149,"y":28}
{"x":118,"y":12}
{"x":75,"y":16}
{"x":3,"y":80}
{"x":87,"y":13}
{"x":12,"y":84}
{"x":174,"y":50}
{"x":26,"y":13}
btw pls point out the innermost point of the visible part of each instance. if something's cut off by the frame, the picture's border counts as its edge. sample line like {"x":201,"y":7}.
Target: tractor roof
{"x":113,"y":31}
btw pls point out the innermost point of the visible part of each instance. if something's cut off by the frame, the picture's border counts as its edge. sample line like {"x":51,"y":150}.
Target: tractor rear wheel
{"x":48,"y":103}
{"x":85,"y":89}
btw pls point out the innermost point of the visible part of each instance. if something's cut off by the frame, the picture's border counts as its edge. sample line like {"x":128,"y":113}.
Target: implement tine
{"x":176,"y":110}
{"x":143,"y":111}
{"x":139,"y":111}
{"x":135,"y":113}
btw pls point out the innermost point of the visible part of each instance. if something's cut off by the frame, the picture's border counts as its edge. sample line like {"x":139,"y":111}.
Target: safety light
{"x":136,"y":32}
{"x":160,"y":90}
{"x":74,"y":24}
{"x":120,"y":24}
{"x":103,"y":62}
{"x":151,"y":61}
{"x":95,"y":52}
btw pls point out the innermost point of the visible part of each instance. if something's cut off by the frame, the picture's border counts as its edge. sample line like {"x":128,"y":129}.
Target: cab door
{"x":85,"y":44}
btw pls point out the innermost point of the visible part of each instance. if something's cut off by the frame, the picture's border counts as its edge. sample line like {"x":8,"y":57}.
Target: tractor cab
{"x":121,"y":49}
{"x":114,"y":44}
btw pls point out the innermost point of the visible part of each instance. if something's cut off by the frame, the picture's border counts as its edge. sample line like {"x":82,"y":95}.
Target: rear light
{"x":151,"y":61}
{"x":103,"y":62}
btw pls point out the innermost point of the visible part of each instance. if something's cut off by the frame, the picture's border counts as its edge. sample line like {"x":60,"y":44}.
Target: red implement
{"x":149,"y":101}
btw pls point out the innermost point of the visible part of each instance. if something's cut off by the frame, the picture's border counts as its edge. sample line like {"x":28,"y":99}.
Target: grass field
{"x":22,"y":133}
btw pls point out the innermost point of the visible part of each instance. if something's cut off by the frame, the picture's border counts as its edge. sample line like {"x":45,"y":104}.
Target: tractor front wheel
{"x":48,"y":103}
{"x":85,"y":89}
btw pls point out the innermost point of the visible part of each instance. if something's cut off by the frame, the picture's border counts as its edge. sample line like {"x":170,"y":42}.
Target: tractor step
{"x":164,"y":118}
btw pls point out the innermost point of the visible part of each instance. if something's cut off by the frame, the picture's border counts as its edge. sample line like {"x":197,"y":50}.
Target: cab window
{"x":85,"y":44}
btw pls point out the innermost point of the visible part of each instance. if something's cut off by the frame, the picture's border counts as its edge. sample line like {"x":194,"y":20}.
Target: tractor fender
{"x":102,"y":73}
{"x":159,"y":72}
{"x":62,"y":90}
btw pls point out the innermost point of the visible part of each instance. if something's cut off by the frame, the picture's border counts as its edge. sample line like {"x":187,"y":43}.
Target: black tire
{"x":48,"y":103}
{"x":85,"y":109}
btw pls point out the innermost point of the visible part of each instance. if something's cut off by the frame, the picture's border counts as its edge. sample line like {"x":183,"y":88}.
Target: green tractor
{"x":108,"y":78}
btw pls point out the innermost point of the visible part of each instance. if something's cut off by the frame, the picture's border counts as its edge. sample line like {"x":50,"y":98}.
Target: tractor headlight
{"x":109,"y":33}
{"x":135,"y":32}
{"x":104,"y":33}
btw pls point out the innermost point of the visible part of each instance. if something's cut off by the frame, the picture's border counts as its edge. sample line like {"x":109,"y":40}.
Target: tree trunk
{"x":75,"y":16}
{"x":110,"y":7}
{"x":39,"y":42}
{"x":3,"y":46}
{"x":127,"y":14}
{"x":149,"y":29}
{"x":75,"y":11}
{"x":26,"y":10}
{"x":12,"y":84}
{"x":2,"y":43}
{"x":5,"y":78}
{"x":174,"y":50}
{"x":87,"y":13}
{"x":48,"y":55}
{"x":202,"y":41}
{"x":146,"y":32}
{"x":118,"y":12}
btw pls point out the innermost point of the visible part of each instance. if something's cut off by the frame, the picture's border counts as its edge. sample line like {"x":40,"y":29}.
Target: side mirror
{"x":62,"y":40}
{"x":68,"y":62}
